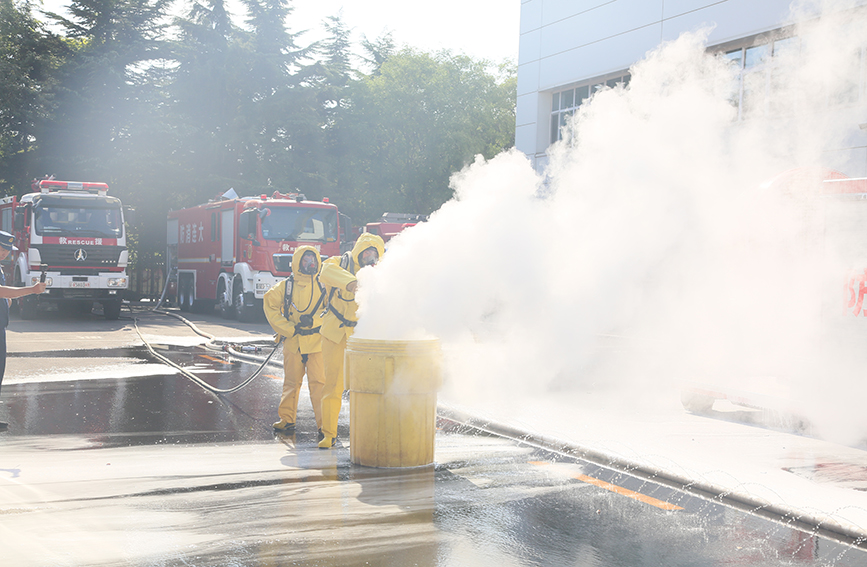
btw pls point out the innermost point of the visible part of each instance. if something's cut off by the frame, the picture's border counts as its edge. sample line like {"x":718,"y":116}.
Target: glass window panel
{"x":555,"y":102}
{"x":808,"y":43}
{"x":755,"y":55}
{"x":736,"y":57}
{"x":284,"y":223}
{"x":844,"y":87}
{"x":626,"y":79}
{"x":555,"y":127}
{"x":612,"y":82}
{"x":735,"y":98}
{"x":581,"y":94}
{"x":780,"y":102}
{"x":748,"y":107}
{"x":755,"y":93}
{"x":567,"y":99}
{"x":788,"y":47}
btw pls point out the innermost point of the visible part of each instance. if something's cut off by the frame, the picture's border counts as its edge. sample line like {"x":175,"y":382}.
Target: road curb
{"x":788,"y":517}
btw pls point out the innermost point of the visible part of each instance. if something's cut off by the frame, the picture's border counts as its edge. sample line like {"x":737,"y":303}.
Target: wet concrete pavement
{"x":111,"y":459}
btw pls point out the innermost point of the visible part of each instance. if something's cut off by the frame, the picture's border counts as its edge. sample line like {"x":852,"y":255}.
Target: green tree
{"x":29,"y":56}
{"x":336,"y":53}
{"x":416,"y":122}
{"x":110,"y":43}
{"x":241,"y":98}
{"x":206,"y":99}
{"x":285,"y":137}
{"x":378,"y":51}
{"x":331,"y":78}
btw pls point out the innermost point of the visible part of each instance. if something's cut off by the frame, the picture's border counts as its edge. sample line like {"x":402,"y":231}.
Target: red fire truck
{"x":393,"y":223}
{"x":230,"y":251}
{"x":74,"y":233}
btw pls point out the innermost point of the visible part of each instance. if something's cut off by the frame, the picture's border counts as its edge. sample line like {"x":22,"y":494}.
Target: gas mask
{"x":369,"y":257}
{"x":309,"y":266}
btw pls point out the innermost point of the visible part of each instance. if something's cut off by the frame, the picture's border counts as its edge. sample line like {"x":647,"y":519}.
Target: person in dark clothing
{"x":7,"y":246}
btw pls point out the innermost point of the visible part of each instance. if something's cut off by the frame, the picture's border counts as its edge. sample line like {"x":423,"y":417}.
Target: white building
{"x":568,"y":48}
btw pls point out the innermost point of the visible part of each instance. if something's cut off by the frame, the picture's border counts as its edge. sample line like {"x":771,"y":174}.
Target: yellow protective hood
{"x":296,"y":260}
{"x":365,"y":241}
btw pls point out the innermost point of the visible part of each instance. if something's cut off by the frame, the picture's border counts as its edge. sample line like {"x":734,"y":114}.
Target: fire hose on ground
{"x":211,"y":345}
{"x":230,"y":350}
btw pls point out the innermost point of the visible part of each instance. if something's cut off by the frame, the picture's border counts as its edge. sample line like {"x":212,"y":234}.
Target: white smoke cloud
{"x":649,"y":254}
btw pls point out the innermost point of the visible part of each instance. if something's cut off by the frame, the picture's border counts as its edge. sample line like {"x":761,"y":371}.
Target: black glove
{"x":306,"y":320}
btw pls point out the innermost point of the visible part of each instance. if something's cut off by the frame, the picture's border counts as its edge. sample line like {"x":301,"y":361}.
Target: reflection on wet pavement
{"x":137,"y":410}
{"x":155,"y":470}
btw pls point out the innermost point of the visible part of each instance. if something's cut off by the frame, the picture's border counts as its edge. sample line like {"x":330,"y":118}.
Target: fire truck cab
{"x":74,"y":233}
{"x":229,"y":252}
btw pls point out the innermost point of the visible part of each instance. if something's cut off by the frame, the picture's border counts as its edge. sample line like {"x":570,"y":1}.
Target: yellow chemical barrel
{"x":392,"y":401}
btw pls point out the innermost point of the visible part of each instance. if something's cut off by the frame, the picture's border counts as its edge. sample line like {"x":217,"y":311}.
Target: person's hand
{"x":352,"y":286}
{"x":38,"y":287}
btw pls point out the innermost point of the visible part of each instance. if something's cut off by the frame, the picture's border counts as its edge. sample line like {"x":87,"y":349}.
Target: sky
{"x":482,"y":29}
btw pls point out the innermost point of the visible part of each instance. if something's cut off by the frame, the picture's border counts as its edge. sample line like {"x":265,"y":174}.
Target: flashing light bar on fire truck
{"x":48,"y":185}
{"x":297,"y":197}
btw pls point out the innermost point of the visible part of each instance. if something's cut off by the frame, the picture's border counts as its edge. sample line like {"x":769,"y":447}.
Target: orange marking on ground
{"x":272,"y":376}
{"x":618,"y":489}
{"x":215,"y":359}
{"x":628,"y":493}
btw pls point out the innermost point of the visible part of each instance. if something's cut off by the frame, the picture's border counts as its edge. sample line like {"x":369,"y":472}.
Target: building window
{"x":566,"y":102}
{"x":754,"y":71}
{"x":759,"y":74}
{"x":761,"y":79}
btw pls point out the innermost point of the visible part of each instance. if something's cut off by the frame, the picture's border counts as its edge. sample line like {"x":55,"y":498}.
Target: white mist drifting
{"x":648,"y":255}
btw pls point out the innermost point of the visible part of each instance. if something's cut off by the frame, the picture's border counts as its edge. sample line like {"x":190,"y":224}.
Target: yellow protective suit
{"x":302,"y":349}
{"x":338,"y":324}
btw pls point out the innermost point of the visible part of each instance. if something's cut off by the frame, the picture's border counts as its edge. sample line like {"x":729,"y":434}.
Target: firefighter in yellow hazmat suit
{"x":293,"y":308}
{"x":338,"y":324}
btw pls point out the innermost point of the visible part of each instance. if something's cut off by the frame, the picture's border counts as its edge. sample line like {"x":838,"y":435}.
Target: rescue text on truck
{"x":72,"y":232}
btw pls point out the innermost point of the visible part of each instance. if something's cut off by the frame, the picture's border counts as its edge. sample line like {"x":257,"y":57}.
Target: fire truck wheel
{"x":182,"y":299}
{"x":226,"y":309}
{"x":111,"y":309}
{"x":242,"y":312}
{"x":185,"y":295}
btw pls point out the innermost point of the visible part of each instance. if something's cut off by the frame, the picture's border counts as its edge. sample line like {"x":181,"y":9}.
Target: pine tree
{"x":29,"y":56}
{"x":111,"y":43}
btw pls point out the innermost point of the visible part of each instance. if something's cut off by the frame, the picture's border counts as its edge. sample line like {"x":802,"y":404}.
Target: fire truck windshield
{"x":78,"y":217}
{"x":305,"y":224}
